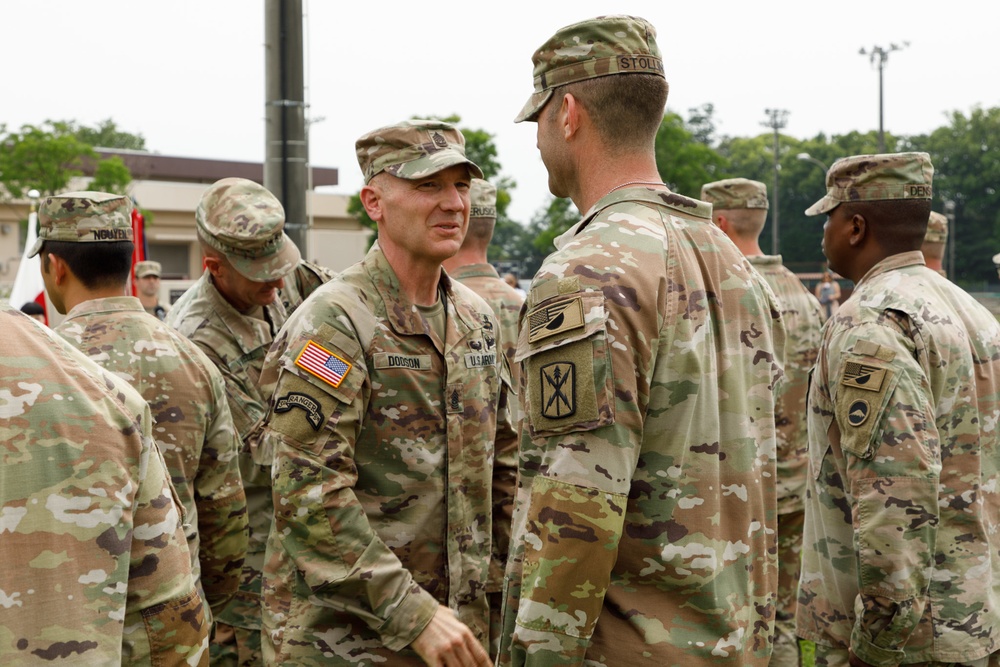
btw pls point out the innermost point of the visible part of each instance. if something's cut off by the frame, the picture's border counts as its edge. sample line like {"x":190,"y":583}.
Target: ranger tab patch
{"x":323,"y":363}
{"x":546,"y":321}
{"x":294,"y":399}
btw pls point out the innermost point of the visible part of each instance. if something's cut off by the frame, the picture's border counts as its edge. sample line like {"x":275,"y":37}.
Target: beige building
{"x":169,"y":189}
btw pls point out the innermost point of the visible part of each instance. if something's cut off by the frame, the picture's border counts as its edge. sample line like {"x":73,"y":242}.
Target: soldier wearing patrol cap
{"x":899,"y":552}
{"x":739,"y":208}
{"x":388,"y":430}
{"x":471,"y":268}
{"x":194,"y":429}
{"x":147,"y":281}
{"x":647,"y":345}
{"x":934,"y":242}
{"x":233,"y":313}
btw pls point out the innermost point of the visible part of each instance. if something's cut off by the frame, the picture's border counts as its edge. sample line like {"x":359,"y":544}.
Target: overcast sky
{"x":189,"y":74}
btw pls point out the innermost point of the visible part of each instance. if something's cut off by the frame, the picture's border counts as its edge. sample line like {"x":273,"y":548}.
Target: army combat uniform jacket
{"x":193,"y":428}
{"x":644,"y":524}
{"x":803,"y":320}
{"x":95,"y":567}
{"x":237,"y":344}
{"x":383,"y":443}
{"x":903,"y":518}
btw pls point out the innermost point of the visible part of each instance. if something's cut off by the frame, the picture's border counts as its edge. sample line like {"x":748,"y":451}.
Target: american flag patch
{"x":323,"y":364}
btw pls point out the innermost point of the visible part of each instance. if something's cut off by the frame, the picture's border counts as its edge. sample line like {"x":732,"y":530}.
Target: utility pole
{"x":776,"y":119}
{"x":286,"y":151}
{"x":949,"y":212}
{"x":878,"y":57}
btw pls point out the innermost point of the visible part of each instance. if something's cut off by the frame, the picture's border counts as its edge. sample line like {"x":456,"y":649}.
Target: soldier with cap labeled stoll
{"x":86,"y":278}
{"x":233,"y":313}
{"x":900,"y":548}
{"x":388,"y":430}
{"x":648,"y":360}
{"x":147,"y":282}
{"x":739,"y":208}
{"x":95,"y":567}
{"x":935,"y":241}
{"x":470,"y":267}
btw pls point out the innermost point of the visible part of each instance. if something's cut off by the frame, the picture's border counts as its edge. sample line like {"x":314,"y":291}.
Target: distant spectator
{"x":35,"y":310}
{"x":828,"y":293}
{"x":511,"y":280}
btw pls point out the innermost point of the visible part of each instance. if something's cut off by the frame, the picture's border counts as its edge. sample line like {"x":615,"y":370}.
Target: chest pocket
{"x":567,"y":364}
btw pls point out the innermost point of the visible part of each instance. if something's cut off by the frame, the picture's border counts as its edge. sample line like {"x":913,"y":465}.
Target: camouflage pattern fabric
{"x":237,"y":344}
{"x":484,"y":280}
{"x":412,"y":149}
{"x":803,"y":319}
{"x":902,"y":529}
{"x":85,"y":217}
{"x":874,"y":178}
{"x":937,"y":228}
{"x":193,"y":428}
{"x":644,"y":528}
{"x":383,"y":437}
{"x":735,"y":193}
{"x":95,"y":567}
{"x":302,"y":282}
{"x":147,"y":268}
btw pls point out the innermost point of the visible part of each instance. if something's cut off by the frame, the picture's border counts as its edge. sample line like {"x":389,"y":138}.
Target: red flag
{"x":28,"y":284}
{"x":139,"y":238}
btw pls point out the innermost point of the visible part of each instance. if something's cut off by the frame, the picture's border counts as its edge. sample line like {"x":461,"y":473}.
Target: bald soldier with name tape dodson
{"x":900,"y":553}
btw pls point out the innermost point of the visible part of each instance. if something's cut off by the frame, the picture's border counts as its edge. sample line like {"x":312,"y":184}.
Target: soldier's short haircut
{"x":96,"y":265}
{"x":898,"y":224}
{"x":745,"y":222}
{"x":626,"y":110}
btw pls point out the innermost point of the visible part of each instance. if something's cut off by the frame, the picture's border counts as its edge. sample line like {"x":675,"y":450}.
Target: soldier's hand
{"x":447,"y":642}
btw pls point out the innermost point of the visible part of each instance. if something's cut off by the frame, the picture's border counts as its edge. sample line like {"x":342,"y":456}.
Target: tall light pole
{"x":810,"y":158}
{"x":776,"y":119}
{"x":878,"y":57}
{"x":949,"y":212}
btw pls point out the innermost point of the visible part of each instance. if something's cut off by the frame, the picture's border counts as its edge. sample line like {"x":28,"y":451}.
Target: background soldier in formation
{"x":95,"y":567}
{"x":900,"y":551}
{"x":86,"y":281}
{"x":233,"y":313}
{"x":739,"y":208}
{"x":935,"y":241}
{"x":147,"y":279}
{"x":387,"y":383}
{"x":471,"y":268}
{"x":645,"y":493}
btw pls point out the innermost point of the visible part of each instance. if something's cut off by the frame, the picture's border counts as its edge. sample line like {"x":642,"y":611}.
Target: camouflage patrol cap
{"x":483,"y":199}
{"x":148,"y":268}
{"x":412,"y":149}
{"x":733,"y":193}
{"x":245,"y":222}
{"x":83,"y":216}
{"x":937,"y":228}
{"x":876,"y":178}
{"x":589,"y":49}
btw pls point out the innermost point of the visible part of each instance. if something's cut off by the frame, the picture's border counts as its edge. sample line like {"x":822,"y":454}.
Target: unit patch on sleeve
{"x":863,"y":376}
{"x":555,"y":318}
{"x":294,"y":399}
{"x":324,"y":364}
{"x":558,"y":390}
{"x":861,"y":403}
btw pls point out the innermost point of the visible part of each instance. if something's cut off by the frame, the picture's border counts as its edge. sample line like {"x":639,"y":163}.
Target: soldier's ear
{"x":371,"y":199}
{"x":858,"y":229}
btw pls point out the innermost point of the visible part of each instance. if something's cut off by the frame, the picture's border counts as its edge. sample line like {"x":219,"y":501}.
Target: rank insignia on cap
{"x":546,"y":321}
{"x":863,"y":376}
{"x":294,"y":399}
{"x":324,"y":364}
{"x":558,"y":395}
{"x":857,"y":414}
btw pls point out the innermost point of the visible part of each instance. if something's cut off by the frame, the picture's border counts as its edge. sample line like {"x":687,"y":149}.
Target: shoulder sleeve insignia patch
{"x":294,"y":399}
{"x":558,"y":385}
{"x":556,"y":318}
{"x":862,"y":376}
{"x":324,"y":364}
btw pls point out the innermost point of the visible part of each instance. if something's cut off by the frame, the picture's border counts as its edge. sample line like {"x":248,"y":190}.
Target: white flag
{"x":28,"y":285}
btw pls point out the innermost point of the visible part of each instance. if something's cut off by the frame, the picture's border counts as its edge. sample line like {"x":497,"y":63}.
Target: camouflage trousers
{"x":837,"y":657}
{"x":786,"y":644}
{"x":235,"y":647}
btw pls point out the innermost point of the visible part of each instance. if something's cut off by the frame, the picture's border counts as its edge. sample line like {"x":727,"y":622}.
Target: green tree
{"x":966,"y":158}
{"x":111,"y":175}
{"x":107,"y":135}
{"x":42,"y":157}
{"x":684,"y":161}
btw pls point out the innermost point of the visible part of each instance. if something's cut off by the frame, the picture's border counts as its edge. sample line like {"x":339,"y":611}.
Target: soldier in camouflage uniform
{"x":644,"y":528}
{"x":471,"y":268}
{"x":934,"y":242}
{"x":95,"y":568}
{"x":301,"y":282}
{"x":233,"y":313}
{"x":386,"y":412}
{"x":147,"y":279}
{"x":86,"y":281}
{"x":739,"y":208}
{"x":902,"y":528}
